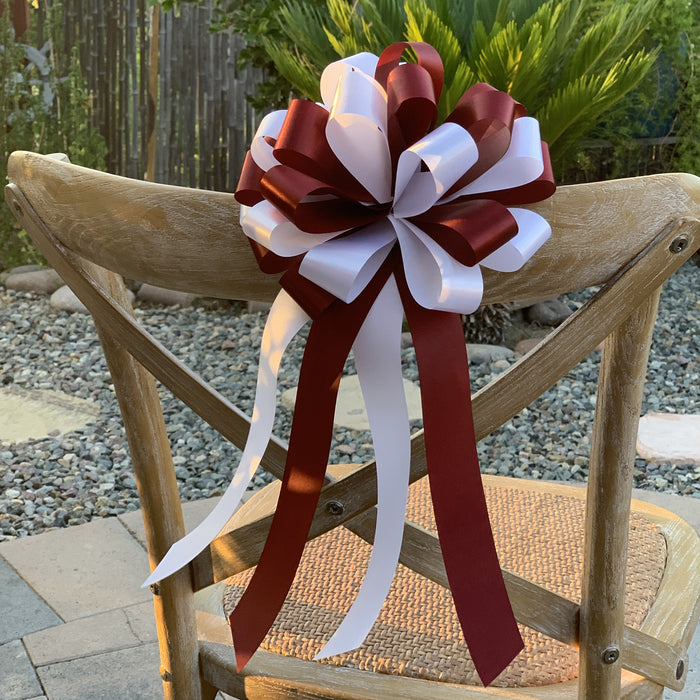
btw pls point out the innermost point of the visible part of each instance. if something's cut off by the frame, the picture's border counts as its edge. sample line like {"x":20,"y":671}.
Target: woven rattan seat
{"x":538,"y":536}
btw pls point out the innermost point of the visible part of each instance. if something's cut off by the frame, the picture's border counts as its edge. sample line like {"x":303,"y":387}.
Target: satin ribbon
{"x":370,"y":208}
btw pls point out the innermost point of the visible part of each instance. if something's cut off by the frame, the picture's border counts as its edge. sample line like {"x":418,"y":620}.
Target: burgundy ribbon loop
{"x":302,"y":145}
{"x":315,"y":206}
{"x":469,"y":230}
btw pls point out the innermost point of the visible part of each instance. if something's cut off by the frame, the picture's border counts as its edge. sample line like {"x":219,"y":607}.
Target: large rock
{"x":167,"y":297}
{"x":39,"y":281}
{"x":669,"y":437}
{"x":549,"y":313}
{"x":480,"y":354}
{"x":64,"y":299}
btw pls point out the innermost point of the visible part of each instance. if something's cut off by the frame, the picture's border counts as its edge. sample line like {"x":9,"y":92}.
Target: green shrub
{"x":44,"y":107}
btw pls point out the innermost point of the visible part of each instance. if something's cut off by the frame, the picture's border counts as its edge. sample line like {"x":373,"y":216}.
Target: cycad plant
{"x":566,"y":68}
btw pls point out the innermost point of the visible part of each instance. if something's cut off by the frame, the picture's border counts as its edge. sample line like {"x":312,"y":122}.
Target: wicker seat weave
{"x":538,"y":536}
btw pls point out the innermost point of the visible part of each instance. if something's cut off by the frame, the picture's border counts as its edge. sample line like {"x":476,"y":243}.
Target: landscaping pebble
{"x":71,"y":478}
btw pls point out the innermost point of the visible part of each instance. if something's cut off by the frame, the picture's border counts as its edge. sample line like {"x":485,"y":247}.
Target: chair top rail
{"x":144,"y":231}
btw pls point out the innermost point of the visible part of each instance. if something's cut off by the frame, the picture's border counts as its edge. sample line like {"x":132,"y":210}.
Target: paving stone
{"x":18,"y":680}
{"x":35,"y":413}
{"x":128,"y":674}
{"x":193,"y":512}
{"x":686,"y":507}
{"x":22,"y":611}
{"x":350,"y":408}
{"x":87,"y":636}
{"x":669,"y":437}
{"x":142,"y":621}
{"x":82,"y":570}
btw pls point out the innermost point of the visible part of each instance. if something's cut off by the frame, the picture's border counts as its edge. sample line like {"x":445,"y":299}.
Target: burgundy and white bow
{"x":373,"y":211}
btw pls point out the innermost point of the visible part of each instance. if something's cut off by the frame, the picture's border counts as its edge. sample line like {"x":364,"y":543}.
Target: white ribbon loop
{"x":533,"y":231}
{"x":364,"y":62}
{"x":356,"y":131}
{"x":269,"y":227}
{"x":522,"y":163}
{"x":345,"y":265}
{"x":261,"y":150}
{"x":447,"y":152}
{"x":436,"y":280}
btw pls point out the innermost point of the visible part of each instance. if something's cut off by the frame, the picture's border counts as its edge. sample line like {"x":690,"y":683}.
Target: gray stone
{"x":19,"y":270}
{"x":256,"y":306}
{"x":22,"y":611}
{"x":128,"y":674}
{"x":549,"y":313}
{"x":525,"y":345}
{"x":39,"y":281}
{"x":17,"y":677}
{"x":167,"y":297}
{"x":64,"y":299}
{"x":484,"y":354}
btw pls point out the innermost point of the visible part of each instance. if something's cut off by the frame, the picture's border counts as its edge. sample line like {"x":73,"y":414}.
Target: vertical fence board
{"x":203,"y":121}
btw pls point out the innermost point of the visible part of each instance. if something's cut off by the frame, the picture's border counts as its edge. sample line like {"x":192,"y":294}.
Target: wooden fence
{"x":201,"y":123}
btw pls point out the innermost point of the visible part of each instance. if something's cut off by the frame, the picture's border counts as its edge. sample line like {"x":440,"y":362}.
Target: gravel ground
{"x":69,"y":479}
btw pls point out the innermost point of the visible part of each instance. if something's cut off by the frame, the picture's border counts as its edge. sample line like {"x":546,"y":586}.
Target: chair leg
{"x":620,"y":388}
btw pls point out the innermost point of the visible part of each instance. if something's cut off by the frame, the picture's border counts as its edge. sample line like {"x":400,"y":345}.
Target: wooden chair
{"x":625,"y":236}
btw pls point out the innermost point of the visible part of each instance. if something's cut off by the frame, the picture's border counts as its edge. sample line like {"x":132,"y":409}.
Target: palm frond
{"x":424,"y":24}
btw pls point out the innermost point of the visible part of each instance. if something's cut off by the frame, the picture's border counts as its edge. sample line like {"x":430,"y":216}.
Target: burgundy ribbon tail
{"x":461,"y":514}
{"x":330,"y":338}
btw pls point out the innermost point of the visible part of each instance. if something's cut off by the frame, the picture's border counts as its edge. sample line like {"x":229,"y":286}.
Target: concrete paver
{"x":128,"y":674}
{"x":18,"y":679}
{"x":97,"y":634}
{"x":22,"y":611}
{"x":350,"y":408}
{"x":82,"y":570}
{"x":34,"y":413}
{"x":193,"y":513}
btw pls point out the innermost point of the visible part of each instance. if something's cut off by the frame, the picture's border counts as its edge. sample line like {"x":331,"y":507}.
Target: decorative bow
{"x":373,"y":211}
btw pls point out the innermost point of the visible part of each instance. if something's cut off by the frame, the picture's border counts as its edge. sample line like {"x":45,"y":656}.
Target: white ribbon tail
{"x":378,"y":361}
{"x":284,"y":321}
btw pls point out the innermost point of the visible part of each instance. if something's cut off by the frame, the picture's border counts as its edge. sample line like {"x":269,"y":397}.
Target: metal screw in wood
{"x":335,"y":507}
{"x":611,"y":655}
{"x":679,"y":244}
